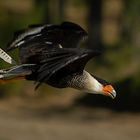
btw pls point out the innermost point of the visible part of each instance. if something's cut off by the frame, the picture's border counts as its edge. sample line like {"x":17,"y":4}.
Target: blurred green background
{"x":50,"y":113}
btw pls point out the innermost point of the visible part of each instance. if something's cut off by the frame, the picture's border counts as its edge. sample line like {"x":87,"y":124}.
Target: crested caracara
{"x":51,"y":54}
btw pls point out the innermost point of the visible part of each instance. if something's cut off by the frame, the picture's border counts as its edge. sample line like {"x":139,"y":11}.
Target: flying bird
{"x":51,"y":54}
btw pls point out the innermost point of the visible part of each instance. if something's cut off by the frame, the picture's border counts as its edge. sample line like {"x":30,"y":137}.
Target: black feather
{"x":73,"y":60}
{"x":67,"y":34}
{"x":54,"y":49}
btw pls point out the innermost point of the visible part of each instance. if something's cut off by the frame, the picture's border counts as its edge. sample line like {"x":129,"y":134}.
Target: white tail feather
{"x":6,"y":57}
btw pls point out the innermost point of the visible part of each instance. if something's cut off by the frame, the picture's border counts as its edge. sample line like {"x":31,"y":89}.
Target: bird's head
{"x":105,"y":87}
{"x":96,"y":85}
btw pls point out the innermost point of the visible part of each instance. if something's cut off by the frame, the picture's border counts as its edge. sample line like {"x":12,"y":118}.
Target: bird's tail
{"x":15,"y":73}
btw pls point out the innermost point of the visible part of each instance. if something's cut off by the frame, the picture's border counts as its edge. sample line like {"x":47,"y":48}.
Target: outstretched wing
{"x":67,"y":34}
{"x":64,"y":61}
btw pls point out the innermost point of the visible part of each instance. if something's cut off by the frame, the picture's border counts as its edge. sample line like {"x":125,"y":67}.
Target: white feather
{"x":7,"y":58}
{"x":28,"y":32}
{"x":92,"y":85}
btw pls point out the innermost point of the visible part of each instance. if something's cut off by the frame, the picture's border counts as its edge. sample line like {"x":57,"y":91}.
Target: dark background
{"x":49,"y":113}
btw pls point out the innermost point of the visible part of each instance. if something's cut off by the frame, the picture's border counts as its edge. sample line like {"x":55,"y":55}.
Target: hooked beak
{"x":112,"y":94}
{"x":109,"y":91}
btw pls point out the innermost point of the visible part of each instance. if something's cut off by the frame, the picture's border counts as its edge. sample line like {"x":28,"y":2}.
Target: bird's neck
{"x":85,"y":82}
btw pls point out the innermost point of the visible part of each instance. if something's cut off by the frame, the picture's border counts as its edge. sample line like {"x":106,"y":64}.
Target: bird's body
{"x":51,"y":54}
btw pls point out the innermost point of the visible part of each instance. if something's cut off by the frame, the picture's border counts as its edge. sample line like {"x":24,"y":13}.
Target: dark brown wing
{"x":63,"y":61}
{"x":67,"y":34}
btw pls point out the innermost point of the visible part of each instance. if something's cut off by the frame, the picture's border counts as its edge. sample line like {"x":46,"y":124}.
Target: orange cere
{"x":108,"y":88}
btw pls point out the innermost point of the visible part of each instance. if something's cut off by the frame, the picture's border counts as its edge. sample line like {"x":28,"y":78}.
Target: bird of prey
{"x":51,"y":54}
